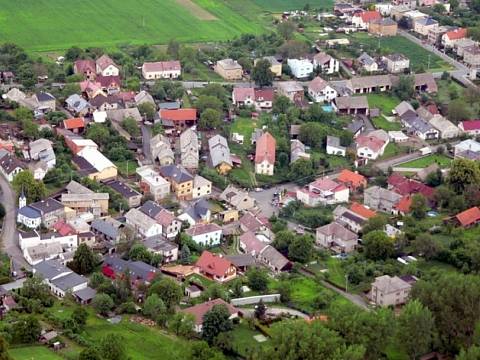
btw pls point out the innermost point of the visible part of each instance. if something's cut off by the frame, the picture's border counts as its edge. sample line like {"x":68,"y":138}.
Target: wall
{"x":255,"y":299}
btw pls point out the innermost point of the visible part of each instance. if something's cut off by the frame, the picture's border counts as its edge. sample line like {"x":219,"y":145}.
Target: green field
{"x":33,"y":353}
{"x":47,"y":25}
{"x":419,"y":57}
{"x":381,"y":123}
{"x":385,"y":102}
{"x":442,"y":160}
{"x":282,"y":5}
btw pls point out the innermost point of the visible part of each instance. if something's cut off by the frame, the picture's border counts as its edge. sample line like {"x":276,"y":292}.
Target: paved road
{"x":264,"y":198}
{"x":275,"y":311}
{"x":9,"y":231}
{"x":146,"y":137}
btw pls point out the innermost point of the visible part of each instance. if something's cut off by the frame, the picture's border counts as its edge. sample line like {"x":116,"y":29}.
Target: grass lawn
{"x":442,"y":160}
{"x":385,"y":102}
{"x":392,"y":150}
{"x":281,"y":5}
{"x":33,"y":353}
{"x":381,"y":123}
{"x":29,"y":23}
{"x":419,"y":57}
{"x":245,"y":127}
{"x":243,"y":341}
{"x":336,"y":274}
{"x":448,"y":90}
{"x":122,"y":167}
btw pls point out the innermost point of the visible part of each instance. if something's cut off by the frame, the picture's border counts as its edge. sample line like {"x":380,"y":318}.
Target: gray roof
{"x":159,"y":243}
{"x":77,"y":103}
{"x":85,"y":294}
{"x":176,"y":173}
{"x":29,"y":212}
{"x":241,"y":260}
{"x":351,"y":102}
{"x":274,"y":257}
{"x":366,"y":59}
{"x":150,"y":208}
{"x":44,"y":96}
{"x":137,"y":269}
{"x":108,"y":228}
{"x":77,"y":188}
{"x":419,"y":124}
{"x":219,"y":151}
{"x":69,"y":281}
{"x":122,"y":188}
{"x":48,"y":205}
{"x":171,"y":105}
{"x":48,"y":269}
{"x":119,"y":114}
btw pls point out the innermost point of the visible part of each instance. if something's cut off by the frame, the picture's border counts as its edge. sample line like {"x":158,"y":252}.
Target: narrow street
{"x":146,"y":137}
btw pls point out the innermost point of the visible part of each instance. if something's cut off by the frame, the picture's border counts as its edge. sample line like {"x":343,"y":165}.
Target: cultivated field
{"x":282,"y":5}
{"x":46,"y":25}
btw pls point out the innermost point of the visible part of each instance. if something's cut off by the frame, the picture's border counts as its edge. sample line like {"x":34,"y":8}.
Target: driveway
{"x":9,"y":232}
{"x":146,"y":137}
{"x":276,"y":311}
{"x":264,"y":198}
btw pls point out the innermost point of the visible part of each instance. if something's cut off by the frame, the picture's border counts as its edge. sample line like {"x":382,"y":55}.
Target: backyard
{"x":380,"y":122}
{"x":442,"y":160}
{"x":392,"y":150}
{"x":33,"y":353}
{"x":385,"y":102}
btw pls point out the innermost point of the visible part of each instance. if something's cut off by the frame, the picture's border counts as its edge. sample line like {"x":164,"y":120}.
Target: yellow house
{"x":180,"y":180}
{"x":229,"y":69}
{"x":228,"y":216}
{"x":275,"y":65}
{"x":95,"y":165}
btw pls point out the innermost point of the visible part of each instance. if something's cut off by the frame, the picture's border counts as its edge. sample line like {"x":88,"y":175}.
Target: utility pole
{"x":346,"y":283}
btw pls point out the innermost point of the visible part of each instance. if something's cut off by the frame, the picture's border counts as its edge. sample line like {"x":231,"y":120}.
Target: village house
{"x":199,"y":311}
{"x":205,"y":234}
{"x":470,"y":127}
{"x":362,"y":20}
{"x":402,"y":108}
{"x":418,"y":126}
{"x":178,"y":120}
{"x":334,"y":147}
{"x":446,"y":128}
{"x":181,"y":180}
{"x":140,"y":273}
{"x":251,"y":222}
{"x":275,"y":65}
{"x":86,"y":68}
{"x":237,"y":198}
{"x":323,"y":191}
{"x":460,"y":45}
{"x":160,"y":246}
{"x":67,"y":242}
{"x":265,"y":154}
{"x":300,"y":68}
{"x":467,"y":149}
{"x":381,"y":199}
{"x":161,"y":70}
{"x":143,"y":97}
{"x":423,"y":25}
{"x":201,"y":187}
{"x":197,"y":213}
{"x":352,"y":105}
{"x":354,"y":181}
{"x":471,"y":56}
{"x":229,"y":69}
{"x":383,"y":27}
{"x":161,"y":149}
{"x":143,"y":224}
{"x":320,"y":91}
{"x":390,"y":291}
{"x":451,"y":37}
{"x":396,"y":63}
{"x":95,"y":165}
{"x":189,"y":146}
{"x":216,"y":267}
{"x":152,"y":183}
{"x":353,"y":218}
{"x":367,"y":62}
{"x":171,"y":225}
{"x":293,"y":90}
{"x":326,"y":63}
{"x":105,"y":66}
{"x":264,"y":98}
{"x":108,"y":229}
{"x":219,"y":154}
{"x":249,"y":96}
{"x":75,"y":125}
{"x":78,"y":105}
{"x":59,"y":279}
{"x":405,"y":186}
{"x":369,"y":84}
{"x":337,"y":238}
{"x":10,"y":166}
{"x":110,"y":85}
{"x":372,"y":145}
{"x":94,"y":203}
{"x":297,"y":151}
{"x":42,"y":150}
{"x":45,"y":102}
{"x":133,"y":197}
{"x":242,"y":262}
{"x":469,"y":217}
{"x":50,"y":211}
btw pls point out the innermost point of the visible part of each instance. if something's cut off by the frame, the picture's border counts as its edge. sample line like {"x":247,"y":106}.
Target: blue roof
{"x":29,"y":212}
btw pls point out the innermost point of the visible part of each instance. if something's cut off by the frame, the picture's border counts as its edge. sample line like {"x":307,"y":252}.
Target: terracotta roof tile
{"x":212,"y":264}
{"x":265,"y":149}
{"x":469,"y":217}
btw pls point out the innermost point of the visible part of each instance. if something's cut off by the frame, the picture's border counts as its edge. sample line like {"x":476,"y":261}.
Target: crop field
{"x":282,"y":5}
{"x":48,"y":25}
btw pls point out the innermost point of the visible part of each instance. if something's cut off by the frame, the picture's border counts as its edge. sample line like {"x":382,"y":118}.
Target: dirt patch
{"x":196,"y":10}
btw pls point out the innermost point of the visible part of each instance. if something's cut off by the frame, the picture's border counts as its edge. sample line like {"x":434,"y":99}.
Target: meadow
{"x":48,"y":25}
{"x":282,"y":5}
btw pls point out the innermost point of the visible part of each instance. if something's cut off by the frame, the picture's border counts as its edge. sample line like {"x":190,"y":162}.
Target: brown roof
{"x":159,"y":66}
{"x":104,"y":61}
{"x":351,"y":102}
{"x":265,"y":149}
{"x":317,"y":84}
{"x":85,"y":65}
{"x":178,"y":115}
{"x":469,"y":217}
{"x":200,"y":310}
{"x":212,"y":264}
{"x":338,"y":231}
{"x":165,"y":217}
{"x":200,"y":229}
{"x":350,"y":177}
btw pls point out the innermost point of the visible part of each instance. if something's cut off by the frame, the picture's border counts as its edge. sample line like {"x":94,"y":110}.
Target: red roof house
{"x":63,"y":228}
{"x":471,"y":127}
{"x":469,"y":217}
{"x":456,"y":34}
{"x":179,"y":118}
{"x":265,"y":154}
{"x":352,"y":180}
{"x":216,"y":267}
{"x":199,"y":311}
{"x":85,"y":68}
{"x":366,"y":17}
{"x":404,"y":186}
{"x":76,"y":125}
{"x":403,"y":206}
{"x":362,"y":210}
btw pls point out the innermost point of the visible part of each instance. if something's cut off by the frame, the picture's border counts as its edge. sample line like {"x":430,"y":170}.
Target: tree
{"x":205,"y":102}
{"x":280,"y":104}
{"x":378,"y":246}
{"x":301,"y":171}
{"x":89,"y":353}
{"x":425,"y":245}
{"x":22,"y":114}
{"x":376,"y":222}
{"x":261,"y":74}
{"x":405,"y":88}
{"x":182,"y":324}
{"x":102,"y":303}
{"x":55,"y":117}
{"x":283,"y":239}
{"x":286,"y":29}
{"x":260,"y":310}
{"x":84,"y":260}
{"x":463,"y":173}
{"x":299,"y":340}
{"x":73,"y":53}
{"x":173,"y":49}
{"x":419,"y":206}
{"x":458,"y":110}
{"x":4,"y":349}
{"x":34,"y":190}
{"x":200,"y":350}
{"x":112,"y":347}
{"x":415,"y":329}
{"x":130,"y":125}
{"x":216,"y":321}
{"x":314,"y":134}
{"x":472,"y":94}
{"x":472,"y":353}
{"x":154,"y":307}
{"x":98,"y":133}
{"x":79,"y":316}
{"x":257,"y":279}
{"x":301,"y":248}
{"x":210,"y":119}
{"x":147,"y":110}
{"x":185,"y":255}
{"x":168,"y":290}
{"x":434,"y":178}
{"x":138,"y":252}
{"x":26,"y":330}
